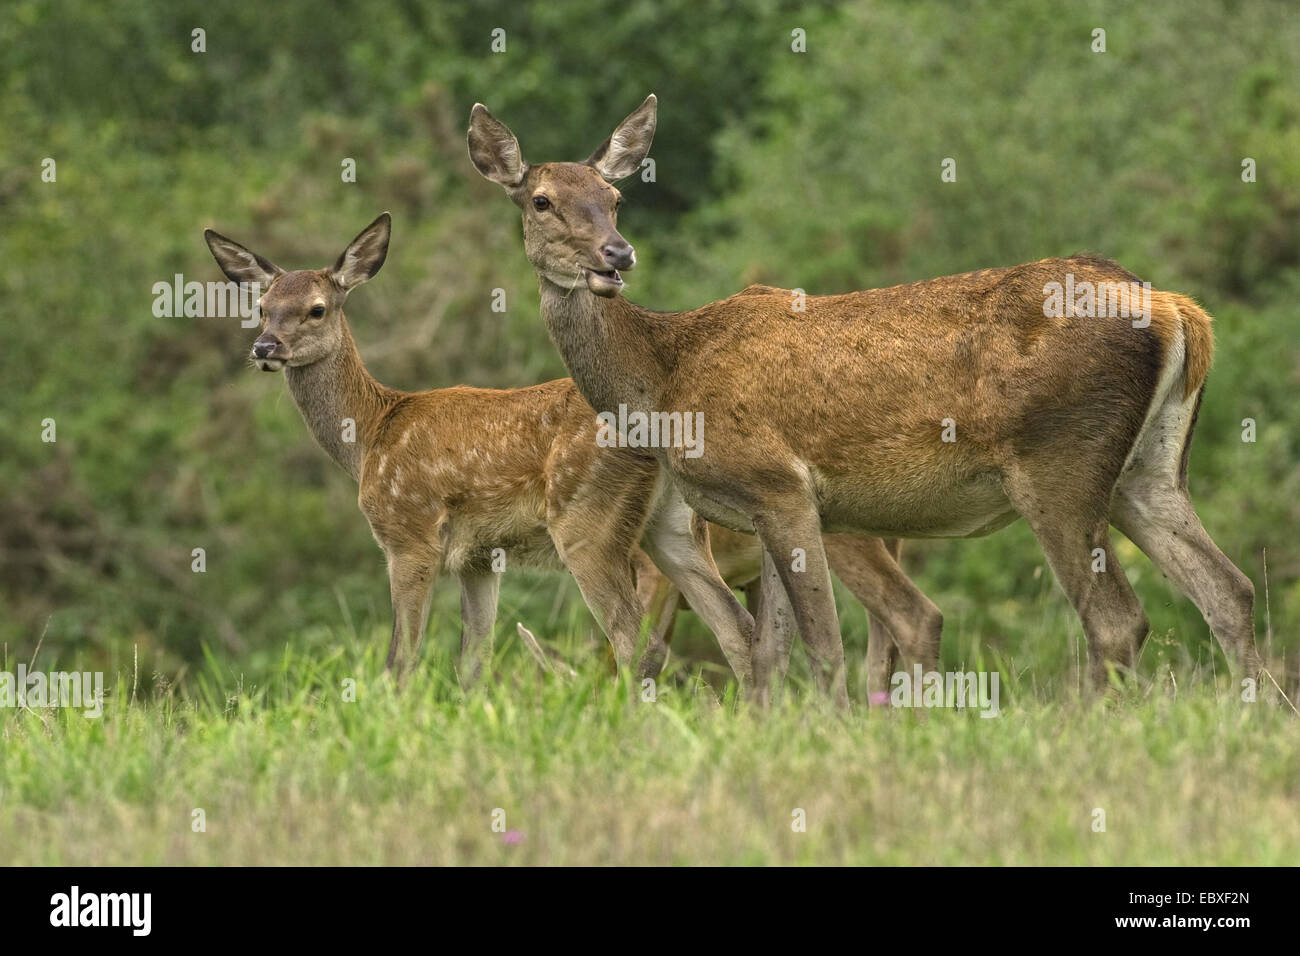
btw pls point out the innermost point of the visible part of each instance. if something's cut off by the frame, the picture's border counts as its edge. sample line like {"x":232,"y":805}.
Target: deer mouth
{"x":606,"y":284}
{"x":269,"y":364}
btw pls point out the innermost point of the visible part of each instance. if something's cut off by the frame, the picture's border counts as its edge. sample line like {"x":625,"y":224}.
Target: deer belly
{"x":478,"y":543}
{"x":965,"y":508}
{"x":712,"y":506}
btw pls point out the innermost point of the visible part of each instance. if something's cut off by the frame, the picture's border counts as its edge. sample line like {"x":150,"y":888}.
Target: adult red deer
{"x":837,"y":417}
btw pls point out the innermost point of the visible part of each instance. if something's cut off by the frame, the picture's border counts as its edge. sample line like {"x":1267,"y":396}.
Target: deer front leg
{"x":660,"y":602}
{"x":478,"y":615}
{"x":600,"y":561}
{"x":773,"y":631}
{"x":677,"y":540}
{"x":790,"y":529}
{"x":410,"y":583}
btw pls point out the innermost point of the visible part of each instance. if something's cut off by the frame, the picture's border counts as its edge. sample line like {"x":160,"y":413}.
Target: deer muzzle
{"x":269,"y":353}
{"x":615,"y":255}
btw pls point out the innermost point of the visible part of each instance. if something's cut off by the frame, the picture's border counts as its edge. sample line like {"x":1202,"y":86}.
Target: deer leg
{"x":660,"y":602}
{"x":478,"y":615}
{"x":611,"y":596}
{"x":602,"y":568}
{"x":882,"y":661}
{"x":792,"y":537}
{"x":883,"y":655}
{"x":410,"y":583}
{"x":883,"y":651}
{"x":677,"y":540}
{"x":774,"y":630}
{"x":902,"y":616}
{"x":1074,"y":530}
{"x":1159,"y":519}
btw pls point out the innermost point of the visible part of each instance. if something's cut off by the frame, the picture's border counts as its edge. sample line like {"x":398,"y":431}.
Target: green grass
{"x":287,"y":772}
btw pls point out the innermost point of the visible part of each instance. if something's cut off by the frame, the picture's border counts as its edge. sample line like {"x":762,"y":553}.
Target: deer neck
{"x":336,"y":388}
{"x":617,"y":352}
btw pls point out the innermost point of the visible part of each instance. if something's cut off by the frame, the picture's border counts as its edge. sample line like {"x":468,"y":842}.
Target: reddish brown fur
{"x":448,"y":477}
{"x":837,"y":416}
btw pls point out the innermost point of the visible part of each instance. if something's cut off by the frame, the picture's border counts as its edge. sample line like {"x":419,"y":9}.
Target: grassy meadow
{"x":321,"y":760}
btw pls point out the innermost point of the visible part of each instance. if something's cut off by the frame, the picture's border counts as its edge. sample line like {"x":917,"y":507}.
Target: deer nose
{"x":265,"y":345}
{"x":619,"y":255}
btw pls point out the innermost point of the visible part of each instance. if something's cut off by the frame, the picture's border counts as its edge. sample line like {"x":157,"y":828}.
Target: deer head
{"x":302,"y":312}
{"x":570,"y":210}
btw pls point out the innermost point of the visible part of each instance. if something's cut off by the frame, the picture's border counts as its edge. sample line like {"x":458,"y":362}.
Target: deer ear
{"x":493,"y":149}
{"x":363,"y":257}
{"x":238,"y":263}
{"x":621,"y":155}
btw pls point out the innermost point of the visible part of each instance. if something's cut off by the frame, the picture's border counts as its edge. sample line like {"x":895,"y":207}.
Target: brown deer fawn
{"x":943,"y":408}
{"x":448,"y":477}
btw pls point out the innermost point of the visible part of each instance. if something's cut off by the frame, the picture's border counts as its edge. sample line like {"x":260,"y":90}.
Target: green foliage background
{"x":818,"y":170}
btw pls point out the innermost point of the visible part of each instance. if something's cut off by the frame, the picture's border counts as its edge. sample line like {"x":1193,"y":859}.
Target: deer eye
{"x":618,"y":203}
{"x":541,"y":203}
{"x":317,"y":311}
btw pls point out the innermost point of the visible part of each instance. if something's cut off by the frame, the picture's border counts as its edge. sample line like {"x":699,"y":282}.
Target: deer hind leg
{"x":478,"y":615}
{"x":790,"y":530}
{"x":410,"y":583}
{"x":1073,"y":528}
{"x":903,"y":619}
{"x":1152,"y":507}
{"x":677,"y":540}
{"x":1159,"y":518}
